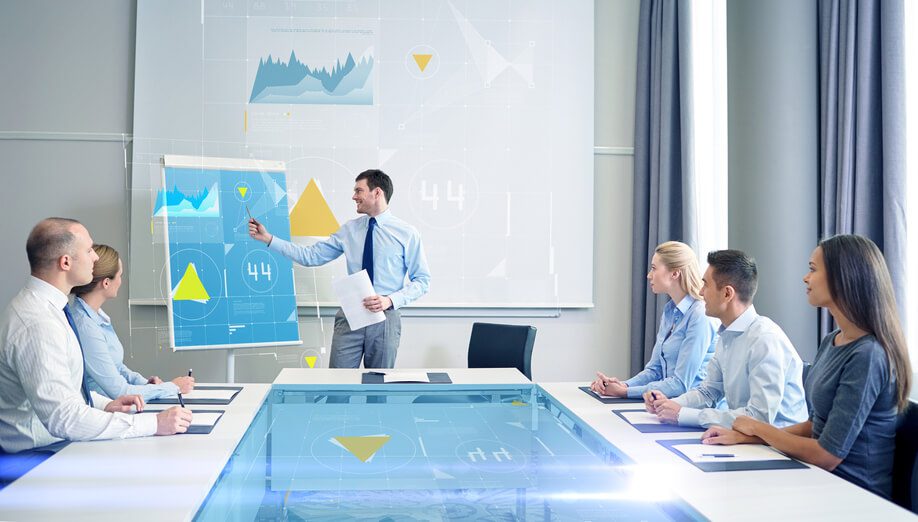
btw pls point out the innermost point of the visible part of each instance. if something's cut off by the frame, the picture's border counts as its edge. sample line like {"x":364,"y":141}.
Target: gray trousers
{"x":376,"y":344}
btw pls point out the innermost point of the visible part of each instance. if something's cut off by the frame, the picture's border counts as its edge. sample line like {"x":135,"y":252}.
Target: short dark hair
{"x":49,"y":240}
{"x":377,"y":178}
{"x":737,"y":269}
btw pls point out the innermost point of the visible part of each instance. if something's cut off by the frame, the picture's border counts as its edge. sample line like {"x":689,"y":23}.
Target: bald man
{"x":43,"y":398}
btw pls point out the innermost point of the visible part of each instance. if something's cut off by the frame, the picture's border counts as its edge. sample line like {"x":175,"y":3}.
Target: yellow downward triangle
{"x":311,"y":215}
{"x":422,"y":60}
{"x":363,"y":447}
{"x":311,"y":360}
{"x":242,"y":190}
{"x":190,"y":287}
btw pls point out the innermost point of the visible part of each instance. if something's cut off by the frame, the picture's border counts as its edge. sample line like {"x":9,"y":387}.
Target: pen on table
{"x":723,"y":455}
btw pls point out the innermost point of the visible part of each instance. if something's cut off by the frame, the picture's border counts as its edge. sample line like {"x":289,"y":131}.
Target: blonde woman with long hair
{"x":686,"y":338}
{"x":102,"y":350}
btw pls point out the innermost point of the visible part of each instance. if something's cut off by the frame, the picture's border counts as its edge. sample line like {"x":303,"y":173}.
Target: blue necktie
{"x":368,"y":249}
{"x":83,"y":388}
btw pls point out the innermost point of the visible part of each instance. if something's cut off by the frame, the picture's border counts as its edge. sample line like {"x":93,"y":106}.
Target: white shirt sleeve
{"x":42,"y":364}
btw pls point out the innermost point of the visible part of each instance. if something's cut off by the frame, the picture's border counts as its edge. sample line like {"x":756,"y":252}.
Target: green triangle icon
{"x":190,"y":287}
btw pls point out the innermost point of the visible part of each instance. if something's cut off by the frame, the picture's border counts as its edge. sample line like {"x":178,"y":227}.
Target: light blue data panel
{"x":226,"y":290}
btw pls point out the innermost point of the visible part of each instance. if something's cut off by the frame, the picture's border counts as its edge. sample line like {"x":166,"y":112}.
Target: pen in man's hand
{"x":189,"y":372}
{"x":249,"y":212}
{"x":180,"y":400}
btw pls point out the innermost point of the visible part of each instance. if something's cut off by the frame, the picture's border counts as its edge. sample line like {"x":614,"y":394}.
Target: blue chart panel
{"x":226,"y":289}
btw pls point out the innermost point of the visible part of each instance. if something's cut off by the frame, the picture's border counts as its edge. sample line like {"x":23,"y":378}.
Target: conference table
{"x":170,"y":478}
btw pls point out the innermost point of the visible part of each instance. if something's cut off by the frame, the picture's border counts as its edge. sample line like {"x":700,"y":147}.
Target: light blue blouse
{"x":104,"y":356}
{"x":685,"y":344}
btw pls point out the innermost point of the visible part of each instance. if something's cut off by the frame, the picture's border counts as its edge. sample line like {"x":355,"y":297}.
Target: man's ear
{"x":65,"y":262}
{"x":729,"y":293}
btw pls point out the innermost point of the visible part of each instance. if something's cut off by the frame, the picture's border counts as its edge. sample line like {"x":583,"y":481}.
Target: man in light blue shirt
{"x":755,"y":369}
{"x":388,"y":249}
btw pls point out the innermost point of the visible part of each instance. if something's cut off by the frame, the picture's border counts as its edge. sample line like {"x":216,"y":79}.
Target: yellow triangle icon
{"x":190,"y":287}
{"x":363,"y":447}
{"x":242,"y":191}
{"x":311,"y":215}
{"x":311,"y":360}
{"x":422,"y":60}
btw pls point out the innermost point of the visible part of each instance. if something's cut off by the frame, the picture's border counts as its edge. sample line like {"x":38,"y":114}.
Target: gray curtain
{"x":664,"y":204}
{"x":862,"y":129}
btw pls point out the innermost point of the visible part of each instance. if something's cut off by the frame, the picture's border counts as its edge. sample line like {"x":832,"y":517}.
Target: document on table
{"x":640,"y":417}
{"x":351,"y":291}
{"x":223,"y":395}
{"x":199,"y":419}
{"x":735,"y":453}
{"x":406,"y":377}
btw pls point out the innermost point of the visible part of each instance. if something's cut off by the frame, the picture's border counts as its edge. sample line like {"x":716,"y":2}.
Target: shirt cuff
{"x":689,"y":417}
{"x":635,"y":392}
{"x":276,"y":245}
{"x":145,"y":425}
{"x":99,"y":401}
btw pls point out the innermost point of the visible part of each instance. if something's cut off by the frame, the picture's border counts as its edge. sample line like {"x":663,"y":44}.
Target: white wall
{"x":73,"y":64}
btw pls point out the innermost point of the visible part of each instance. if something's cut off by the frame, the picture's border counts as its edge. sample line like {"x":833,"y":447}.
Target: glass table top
{"x":410,"y":453}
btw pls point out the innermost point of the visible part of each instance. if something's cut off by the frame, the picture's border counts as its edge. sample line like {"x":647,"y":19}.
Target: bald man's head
{"x":50,"y":239}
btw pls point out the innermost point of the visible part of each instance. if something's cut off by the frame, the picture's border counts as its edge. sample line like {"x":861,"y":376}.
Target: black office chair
{"x":905,"y":465}
{"x":806,"y":371}
{"x":493,"y":346}
{"x":502,"y":346}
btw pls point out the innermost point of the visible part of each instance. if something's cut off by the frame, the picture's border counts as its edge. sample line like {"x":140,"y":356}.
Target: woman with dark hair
{"x":861,"y":376}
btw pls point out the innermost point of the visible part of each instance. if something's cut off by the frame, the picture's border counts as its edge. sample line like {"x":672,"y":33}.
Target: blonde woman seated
{"x":860,"y":379}
{"x":102,"y":351}
{"x":685,"y":341}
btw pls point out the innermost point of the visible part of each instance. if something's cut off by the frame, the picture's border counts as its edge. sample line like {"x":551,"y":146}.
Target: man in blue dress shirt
{"x":755,"y":370}
{"x":388,"y":249}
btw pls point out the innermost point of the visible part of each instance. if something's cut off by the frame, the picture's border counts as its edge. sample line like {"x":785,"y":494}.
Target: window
{"x":709,"y":45}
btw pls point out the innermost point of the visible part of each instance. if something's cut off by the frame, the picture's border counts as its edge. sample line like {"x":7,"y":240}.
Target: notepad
{"x":205,"y":394}
{"x":641,"y":417}
{"x":202,"y":422}
{"x":735,"y":453}
{"x":608,"y":399}
{"x":406,"y":377}
{"x":646,"y":422}
{"x":739,"y":457}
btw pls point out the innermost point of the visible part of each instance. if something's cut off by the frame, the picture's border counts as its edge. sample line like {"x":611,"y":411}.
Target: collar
{"x":47,"y":291}
{"x":685,"y":304}
{"x":99,"y":317}
{"x":383,"y":218}
{"x":743,"y":321}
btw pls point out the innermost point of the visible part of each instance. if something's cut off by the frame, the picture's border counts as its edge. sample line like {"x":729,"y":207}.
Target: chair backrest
{"x":502,"y":346}
{"x":806,"y":371}
{"x":905,"y":466}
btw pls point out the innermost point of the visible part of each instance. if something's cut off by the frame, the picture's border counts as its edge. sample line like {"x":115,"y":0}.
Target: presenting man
{"x":43,"y":394}
{"x":388,"y":249}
